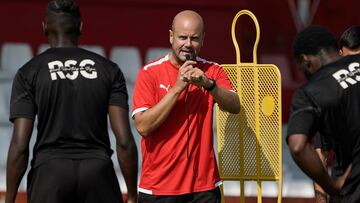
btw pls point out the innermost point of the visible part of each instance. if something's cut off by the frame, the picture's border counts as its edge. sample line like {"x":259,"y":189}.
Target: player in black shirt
{"x":350,"y":41}
{"x":71,"y":91}
{"x":349,"y":44}
{"x":329,"y":103}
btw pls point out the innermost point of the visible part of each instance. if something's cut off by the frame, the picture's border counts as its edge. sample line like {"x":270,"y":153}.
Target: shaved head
{"x":186,"y":36}
{"x":63,"y":16}
{"x":188,"y":18}
{"x":62,"y":23}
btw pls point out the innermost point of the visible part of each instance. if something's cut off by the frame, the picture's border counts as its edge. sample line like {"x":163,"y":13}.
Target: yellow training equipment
{"x":249,"y":143}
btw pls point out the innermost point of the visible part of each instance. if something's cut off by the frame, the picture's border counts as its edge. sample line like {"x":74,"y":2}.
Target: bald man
{"x":173,"y":111}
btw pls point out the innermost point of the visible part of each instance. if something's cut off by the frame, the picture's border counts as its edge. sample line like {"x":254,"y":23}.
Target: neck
{"x":63,"y":40}
{"x":175,"y":60}
{"x":329,"y":56}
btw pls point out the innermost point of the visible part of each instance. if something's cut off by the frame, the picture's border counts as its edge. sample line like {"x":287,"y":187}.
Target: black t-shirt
{"x":329,"y":103}
{"x":70,"y":90}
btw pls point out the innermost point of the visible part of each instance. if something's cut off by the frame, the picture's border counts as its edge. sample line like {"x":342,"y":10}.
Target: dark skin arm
{"x":311,"y":165}
{"x":320,"y":194}
{"x":126,"y":149}
{"x":18,"y":156}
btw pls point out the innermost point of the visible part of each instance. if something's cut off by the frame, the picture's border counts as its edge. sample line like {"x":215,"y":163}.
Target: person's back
{"x":73,"y":87}
{"x":349,"y":44}
{"x":71,"y":91}
{"x":329,"y":104}
{"x":335,"y":91}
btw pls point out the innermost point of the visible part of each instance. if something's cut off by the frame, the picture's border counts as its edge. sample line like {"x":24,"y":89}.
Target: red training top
{"x":178,"y":157}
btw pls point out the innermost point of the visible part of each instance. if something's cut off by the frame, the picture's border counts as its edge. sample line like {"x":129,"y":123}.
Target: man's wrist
{"x":175,"y":90}
{"x":211,"y":86}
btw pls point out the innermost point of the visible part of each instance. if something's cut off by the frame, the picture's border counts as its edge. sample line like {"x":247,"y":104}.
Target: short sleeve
{"x":144,"y":92}
{"x":118,"y":92}
{"x":303,"y":115}
{"x":223,"y":80}
{"x":22,"y":103}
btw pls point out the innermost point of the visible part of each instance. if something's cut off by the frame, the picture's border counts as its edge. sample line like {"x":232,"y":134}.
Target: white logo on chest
{"x":163,"y":87}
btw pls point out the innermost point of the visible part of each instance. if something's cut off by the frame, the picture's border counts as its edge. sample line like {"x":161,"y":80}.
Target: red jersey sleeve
{"x":144,"y":92}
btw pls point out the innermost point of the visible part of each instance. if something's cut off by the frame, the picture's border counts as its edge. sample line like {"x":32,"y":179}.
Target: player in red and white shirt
{"x":173,"y":110}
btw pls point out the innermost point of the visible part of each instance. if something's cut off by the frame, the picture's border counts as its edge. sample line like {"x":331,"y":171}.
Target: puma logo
{"x":166,"y":88}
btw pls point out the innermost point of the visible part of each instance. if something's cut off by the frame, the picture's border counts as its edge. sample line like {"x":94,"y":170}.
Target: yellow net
{"x":249,"y":143}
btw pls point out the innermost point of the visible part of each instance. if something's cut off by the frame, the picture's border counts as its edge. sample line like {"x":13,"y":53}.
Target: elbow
{"x":232,"y":105}
{"x":236,"y":109}
{"x":17,"y":151}
{"x":296,"y":148}
{"x":143,"y":130}
{"x":19,"y":147}
{"x":143,"y":133}
{"x":236,"y":105}
{"x":126,"y":145}
{"x":232,"y":109}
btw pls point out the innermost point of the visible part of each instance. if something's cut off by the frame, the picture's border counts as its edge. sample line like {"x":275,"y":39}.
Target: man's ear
{"x":45,"y":28}
{"x":171,"y":36}
{"x":341,"y":52}
{"x":306,"y":61}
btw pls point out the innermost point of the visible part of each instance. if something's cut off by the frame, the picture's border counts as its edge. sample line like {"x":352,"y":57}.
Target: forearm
{"x":128,"y":160}
{"x":16,"y":167}
{"x":18,"y":157}
{"x":320,"y":194}
{"x":310,"y":163}
{"x":151,"y":119}
{"x":227,"y":100}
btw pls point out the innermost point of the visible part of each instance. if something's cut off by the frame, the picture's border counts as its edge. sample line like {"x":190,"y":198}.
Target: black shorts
{"x":211,"y":196}
{"x":73,"y":180}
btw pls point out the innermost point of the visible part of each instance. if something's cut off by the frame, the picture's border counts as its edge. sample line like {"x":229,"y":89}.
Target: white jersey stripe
{"x":138,"y":110}
{"x":158,"y":62}
{"x":166,"y":58}
{"x":149,"y":192}
{"x":218,"y":183}
{"x":142,"y":190}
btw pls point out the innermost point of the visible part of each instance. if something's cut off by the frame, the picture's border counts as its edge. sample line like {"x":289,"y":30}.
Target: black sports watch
{"x":212,"y":85}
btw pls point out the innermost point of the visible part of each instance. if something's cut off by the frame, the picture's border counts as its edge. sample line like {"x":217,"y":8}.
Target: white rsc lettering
{"x":86,"y":69}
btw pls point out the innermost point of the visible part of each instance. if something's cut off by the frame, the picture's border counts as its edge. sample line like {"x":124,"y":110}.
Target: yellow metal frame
{"x":258,"y":125}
